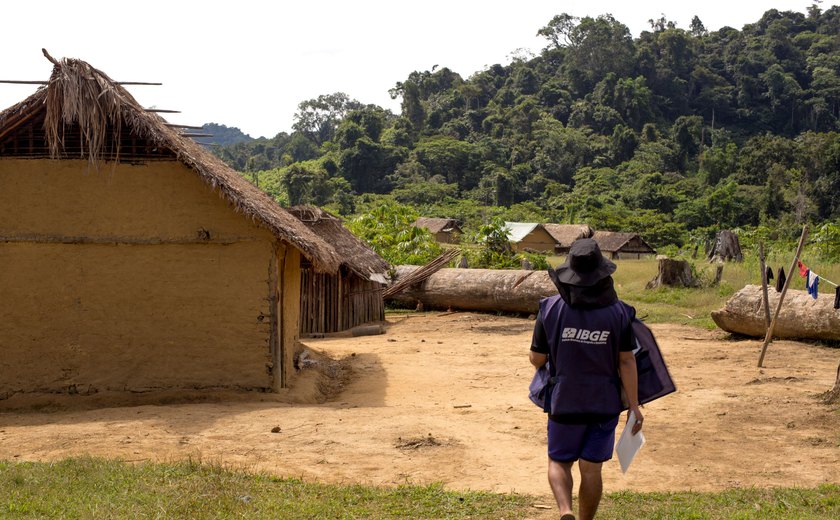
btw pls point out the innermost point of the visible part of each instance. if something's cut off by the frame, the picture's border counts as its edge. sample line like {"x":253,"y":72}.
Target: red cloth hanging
{"x":803,"y":269}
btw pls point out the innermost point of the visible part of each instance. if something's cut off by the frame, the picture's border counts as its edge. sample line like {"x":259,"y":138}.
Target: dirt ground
{"x":442,"y":397}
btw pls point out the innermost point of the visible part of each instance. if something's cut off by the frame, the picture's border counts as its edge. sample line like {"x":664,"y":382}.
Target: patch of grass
{"x":96,"y":488}
{"x":103,"y":489}
{"x":822,"y":502}
{"x":689,"y":306}
{"x":693,"y":306}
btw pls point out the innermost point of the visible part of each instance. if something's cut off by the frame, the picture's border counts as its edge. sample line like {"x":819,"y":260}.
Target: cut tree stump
{"x":726,"y":247}
{"x":674,"y":273}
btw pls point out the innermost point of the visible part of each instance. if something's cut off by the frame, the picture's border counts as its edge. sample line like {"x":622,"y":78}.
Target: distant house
{"x":445,"y":230}
{"x":565,"y":234}
{"x":332,"y":302}
{"x":530,"y":236}
{"x":618,"y":245}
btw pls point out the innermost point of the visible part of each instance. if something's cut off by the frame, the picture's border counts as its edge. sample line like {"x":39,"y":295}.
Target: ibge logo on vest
{"x":591,"y":337}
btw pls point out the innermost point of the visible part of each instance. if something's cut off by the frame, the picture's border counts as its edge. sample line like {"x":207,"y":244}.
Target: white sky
{"x":249,"y":63}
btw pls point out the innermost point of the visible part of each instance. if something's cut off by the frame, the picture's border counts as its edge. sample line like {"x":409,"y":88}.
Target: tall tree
{"x":318,"y":118}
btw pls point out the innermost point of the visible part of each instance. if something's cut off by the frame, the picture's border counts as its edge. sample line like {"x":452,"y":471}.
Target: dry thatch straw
{"x":81,"y":97}
{"x":355,"y":254}
{"x":79,"y":94}
{"x":565,"y":234}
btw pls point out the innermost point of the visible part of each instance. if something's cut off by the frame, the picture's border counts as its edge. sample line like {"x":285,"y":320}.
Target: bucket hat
{"x":584,"y":266}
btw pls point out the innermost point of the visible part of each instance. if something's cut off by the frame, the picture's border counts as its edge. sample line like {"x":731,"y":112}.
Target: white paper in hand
{"x":628,"y":444}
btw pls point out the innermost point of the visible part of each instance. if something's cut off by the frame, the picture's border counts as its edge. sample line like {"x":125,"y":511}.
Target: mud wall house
{"x":617,"y":245}
{"x":133,"y":259}
{"x":333,"y":302}
{"x":530,"y":236}
{"x":565,"y":234}
{"x":445,"y":230}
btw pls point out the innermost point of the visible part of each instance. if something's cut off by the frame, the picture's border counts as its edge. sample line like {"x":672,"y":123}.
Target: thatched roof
{"x":438,"y":225}
{"x":614,"y":241}
{"x":82,"y":99}
{"x":354,"y":253}
{"x":565,"y":234}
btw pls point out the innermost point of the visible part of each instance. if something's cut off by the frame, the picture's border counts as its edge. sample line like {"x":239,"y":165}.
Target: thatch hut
{"x":531,"y":237}
{"x":333,"y":302}
{"x":617,"y":245}
{"x":131,"y":259}
{"x":445,"y":230}
{"x":565,"y":234}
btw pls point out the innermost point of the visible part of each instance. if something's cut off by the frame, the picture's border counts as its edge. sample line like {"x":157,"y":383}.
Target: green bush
{"x":389,"y":230}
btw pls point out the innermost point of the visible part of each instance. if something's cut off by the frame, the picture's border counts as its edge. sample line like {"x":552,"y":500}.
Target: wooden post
{"x":769,"y":335}
{"x":718,"y":274}
{"x":833,"y":395}
{"x":764,"y":284}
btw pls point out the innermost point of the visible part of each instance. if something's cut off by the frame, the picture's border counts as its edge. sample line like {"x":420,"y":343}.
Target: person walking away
{"x":584,"y":335}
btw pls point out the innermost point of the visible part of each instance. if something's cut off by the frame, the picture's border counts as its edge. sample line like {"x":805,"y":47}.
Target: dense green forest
{"x":674,"y":134}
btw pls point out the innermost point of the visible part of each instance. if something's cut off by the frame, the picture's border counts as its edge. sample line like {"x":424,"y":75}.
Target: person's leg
{"x":591,"y":487}
{"x":560,"y":479}
{"x":598,"y":447}
{"x":564,"y":445}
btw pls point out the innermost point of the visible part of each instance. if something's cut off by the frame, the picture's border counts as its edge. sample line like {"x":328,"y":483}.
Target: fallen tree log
{"x":801,"y":316}
{"x":476,"y":290}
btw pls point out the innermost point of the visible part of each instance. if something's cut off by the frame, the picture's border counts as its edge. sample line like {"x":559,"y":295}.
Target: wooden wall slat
{"x":337,"y":303}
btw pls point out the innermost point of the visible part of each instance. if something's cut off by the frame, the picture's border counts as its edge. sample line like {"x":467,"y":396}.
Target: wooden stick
{"x":37,"y":82}
{"x":522,"y":279}
{"x":11,"y":126}
{"x":47,"y":55}
{"x":764,"y":284}
{"x":171,"y":125}
{"x":162,"y":111}
{"x":421,"y":274}
{"x":769,"y":335}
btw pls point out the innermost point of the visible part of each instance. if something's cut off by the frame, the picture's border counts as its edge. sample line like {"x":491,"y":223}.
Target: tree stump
{"x":674,"y":273}
{"x":833,"y":395}
{"x":726,"y":247}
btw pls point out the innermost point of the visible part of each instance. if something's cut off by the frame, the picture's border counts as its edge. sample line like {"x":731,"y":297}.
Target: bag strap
{"x":628,"y":330}
{"x":552,"y":377}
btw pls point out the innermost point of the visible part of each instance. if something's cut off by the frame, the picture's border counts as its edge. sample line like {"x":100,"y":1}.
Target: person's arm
{"x":537,"y":359}
{"x":630,"y":382}
{"x":539,"y":344}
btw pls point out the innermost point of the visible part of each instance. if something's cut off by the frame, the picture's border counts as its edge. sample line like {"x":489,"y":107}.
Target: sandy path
{"x":443,"y":397}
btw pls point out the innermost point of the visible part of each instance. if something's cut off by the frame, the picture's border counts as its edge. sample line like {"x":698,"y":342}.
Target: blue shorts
{"x":590,"y":442}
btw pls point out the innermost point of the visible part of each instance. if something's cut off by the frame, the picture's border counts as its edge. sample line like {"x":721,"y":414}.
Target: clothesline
{"x":826,"y":280}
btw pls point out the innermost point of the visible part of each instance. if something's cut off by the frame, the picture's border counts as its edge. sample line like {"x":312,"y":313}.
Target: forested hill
{"x":676,"y":132}
{"x":223,"y":135}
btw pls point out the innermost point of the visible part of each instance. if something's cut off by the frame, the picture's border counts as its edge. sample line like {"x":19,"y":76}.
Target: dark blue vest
{"x":583,"y":356}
